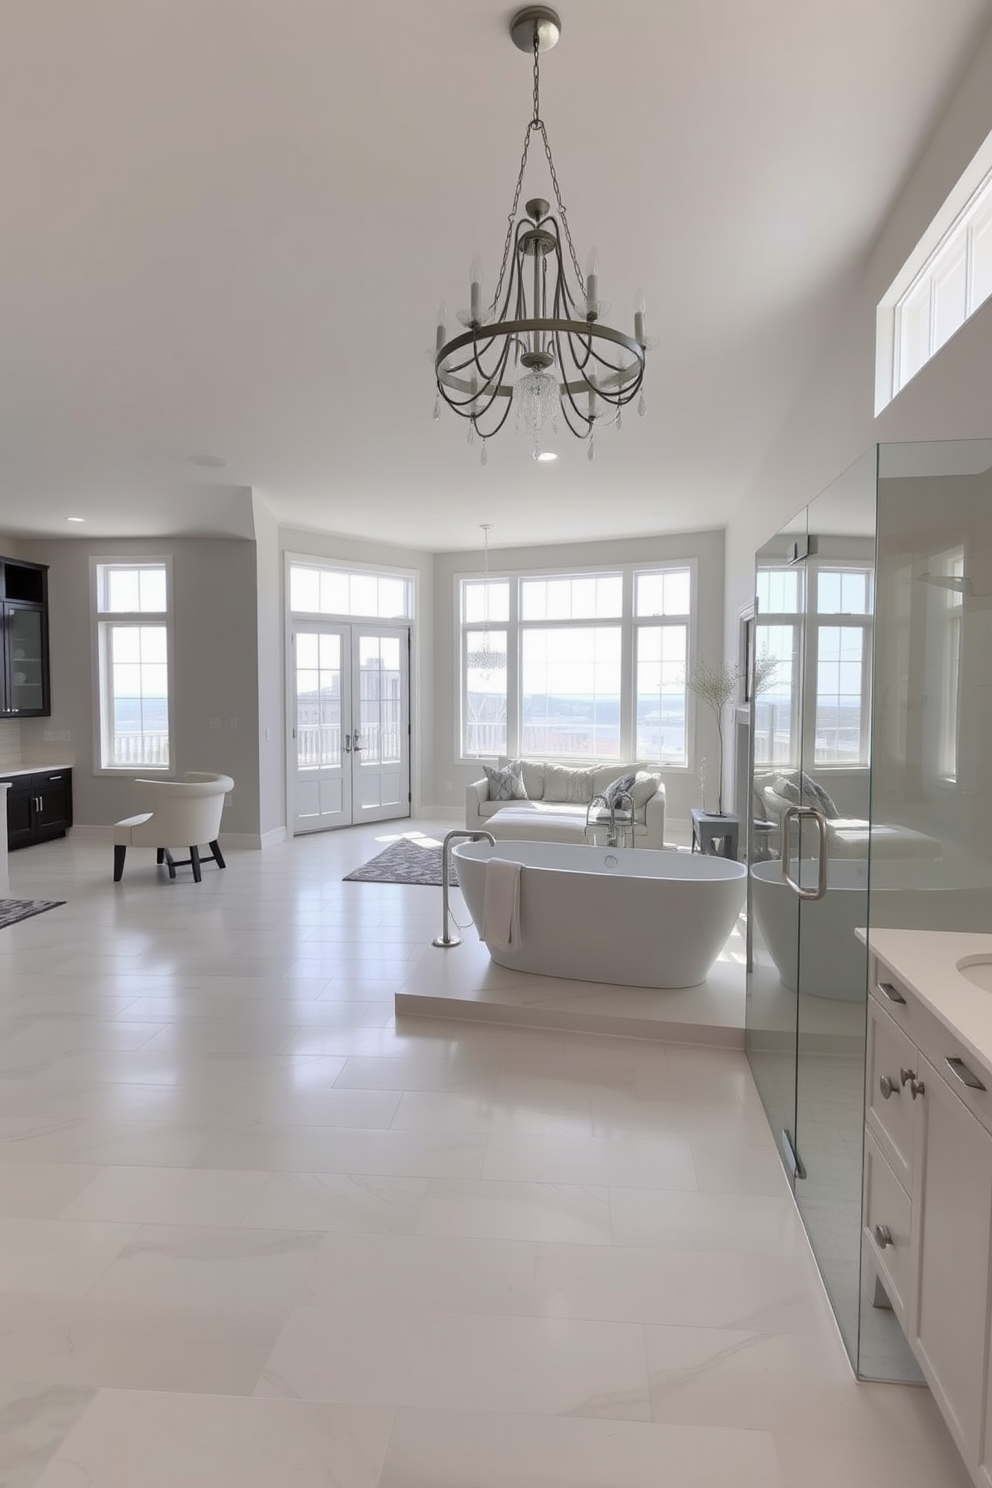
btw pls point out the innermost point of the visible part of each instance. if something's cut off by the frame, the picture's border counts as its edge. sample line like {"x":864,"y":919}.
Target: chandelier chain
{"x":537,"y":123}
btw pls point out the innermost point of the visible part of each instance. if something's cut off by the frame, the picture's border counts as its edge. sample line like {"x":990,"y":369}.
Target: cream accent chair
{"x":186,"y":811}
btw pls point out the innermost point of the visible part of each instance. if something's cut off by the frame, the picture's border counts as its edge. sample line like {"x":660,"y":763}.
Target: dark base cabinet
{"x":39,"y":807}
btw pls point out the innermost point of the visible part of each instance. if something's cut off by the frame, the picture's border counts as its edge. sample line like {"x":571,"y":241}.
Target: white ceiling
{"x":227,"y":225}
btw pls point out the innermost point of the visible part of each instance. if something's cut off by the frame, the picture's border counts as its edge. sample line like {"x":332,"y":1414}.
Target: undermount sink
{"x":978,"y":970}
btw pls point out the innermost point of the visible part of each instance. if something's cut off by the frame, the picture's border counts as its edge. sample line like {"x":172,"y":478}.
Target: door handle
{"x":356,"y":743}
{"x":797,"y":813}
{"x":347,"y":743}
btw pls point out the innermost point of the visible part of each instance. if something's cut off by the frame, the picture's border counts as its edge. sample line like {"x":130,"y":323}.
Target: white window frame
{"x":361,"y":570}
{"x":514,"y":627}
{"x":103,"y":622}
{"x":967,"y":205}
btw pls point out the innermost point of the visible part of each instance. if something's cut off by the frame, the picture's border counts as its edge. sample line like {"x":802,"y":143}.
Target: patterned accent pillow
{"x":507,"y":784}
{"x":622,"y":786}
{"x":805,"y":791}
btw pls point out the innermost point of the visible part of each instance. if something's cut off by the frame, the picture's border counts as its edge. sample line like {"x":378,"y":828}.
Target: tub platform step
{"x":462,"y":982}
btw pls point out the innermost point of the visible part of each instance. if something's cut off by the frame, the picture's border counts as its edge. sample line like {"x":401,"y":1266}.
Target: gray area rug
{"x":12,"y":910}
{"x":404,"y":862}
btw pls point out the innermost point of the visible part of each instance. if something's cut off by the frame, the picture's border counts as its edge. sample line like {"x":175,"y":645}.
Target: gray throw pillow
{"x":805,"y":791}
{"x":508,"y":784}
{"x":622,"y":786}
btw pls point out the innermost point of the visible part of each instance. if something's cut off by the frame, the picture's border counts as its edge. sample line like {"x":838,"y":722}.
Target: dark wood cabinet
{"x":39,"y":806}
{"x":24,"y":672}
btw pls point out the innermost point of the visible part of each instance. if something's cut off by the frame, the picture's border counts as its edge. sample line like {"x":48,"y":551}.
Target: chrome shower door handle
{"x":808,"y":813}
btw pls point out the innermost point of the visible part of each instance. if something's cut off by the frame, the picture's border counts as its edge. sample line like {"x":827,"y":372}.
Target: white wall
{"x":386,"y":556}
{"x":214,"y":593}
{"x":452,"y":774}
{"x":271,"y":693}
{"x":832,"y":420}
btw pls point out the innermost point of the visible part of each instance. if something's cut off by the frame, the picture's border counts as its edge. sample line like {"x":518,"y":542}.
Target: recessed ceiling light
{"x":546,"y":456}
{"x":209,"y":462}
{"x":75,"y":519}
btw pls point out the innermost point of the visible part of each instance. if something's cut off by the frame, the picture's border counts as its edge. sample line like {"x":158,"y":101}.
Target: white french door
{"x":350,"y":710}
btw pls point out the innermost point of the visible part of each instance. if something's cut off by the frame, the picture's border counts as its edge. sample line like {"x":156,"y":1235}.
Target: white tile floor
{"x":255,"y":1233}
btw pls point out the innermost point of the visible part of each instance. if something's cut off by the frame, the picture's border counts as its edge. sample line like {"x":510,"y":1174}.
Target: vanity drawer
{"x":888,"y":1221}
{"x":891,"y":1108}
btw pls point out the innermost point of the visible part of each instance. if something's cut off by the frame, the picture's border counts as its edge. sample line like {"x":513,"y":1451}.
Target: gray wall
{"x":451,"y":774}
{"x":216,"y":674}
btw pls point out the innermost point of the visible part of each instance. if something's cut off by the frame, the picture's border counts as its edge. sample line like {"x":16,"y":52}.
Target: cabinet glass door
{"x":26,"y":671}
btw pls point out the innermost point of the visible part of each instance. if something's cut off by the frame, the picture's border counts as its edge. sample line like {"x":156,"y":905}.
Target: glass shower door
{"x":771,"y":1013}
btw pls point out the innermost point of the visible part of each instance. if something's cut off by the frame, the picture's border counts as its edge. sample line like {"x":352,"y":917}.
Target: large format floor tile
{"x":255,"y":1229}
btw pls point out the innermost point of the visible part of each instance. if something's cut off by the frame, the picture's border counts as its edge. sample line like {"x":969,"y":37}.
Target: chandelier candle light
{"x":540,"y":346}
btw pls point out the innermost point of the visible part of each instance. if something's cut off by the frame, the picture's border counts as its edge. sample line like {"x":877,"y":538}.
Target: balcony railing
{"x":319,"y":745}
{"x":142,"y":748}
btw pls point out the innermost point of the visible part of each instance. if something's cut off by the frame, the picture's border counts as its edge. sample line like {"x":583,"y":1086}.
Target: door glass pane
{"x":318,"y":700}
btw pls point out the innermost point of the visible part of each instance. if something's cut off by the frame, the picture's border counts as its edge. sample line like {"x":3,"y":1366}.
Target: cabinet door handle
{"x":53,"y":778}
{"x":883,"y":1236}
{"x":892,"y":993}
{"x":887,"y":1087}
{"x":958,"y":1068}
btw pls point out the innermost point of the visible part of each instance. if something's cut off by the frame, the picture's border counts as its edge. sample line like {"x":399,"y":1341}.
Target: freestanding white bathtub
{"x":635,"y":916}
{"x":820,"y":953}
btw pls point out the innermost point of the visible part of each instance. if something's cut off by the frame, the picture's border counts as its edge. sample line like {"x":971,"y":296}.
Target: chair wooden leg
{"x":160,"y":855}
{"x":169,"y":863}
{"x":217,"y":855}
{"x":194,"y":858}
{"x":118,"y":861}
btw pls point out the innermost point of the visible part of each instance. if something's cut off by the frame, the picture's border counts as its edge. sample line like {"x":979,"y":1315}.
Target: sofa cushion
{"x":506,"y":784}
{"x":572,"y":787}
{"x":645,"y":786}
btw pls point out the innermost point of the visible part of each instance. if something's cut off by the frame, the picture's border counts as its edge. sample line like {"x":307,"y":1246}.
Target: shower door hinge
{"x":793,"y":1162}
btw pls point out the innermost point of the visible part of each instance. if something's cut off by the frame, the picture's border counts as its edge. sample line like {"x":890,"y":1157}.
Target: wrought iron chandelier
{"x":540,"y":347}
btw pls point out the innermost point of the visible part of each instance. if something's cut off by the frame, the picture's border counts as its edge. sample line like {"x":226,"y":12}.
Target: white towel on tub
{"x":501,"y":905}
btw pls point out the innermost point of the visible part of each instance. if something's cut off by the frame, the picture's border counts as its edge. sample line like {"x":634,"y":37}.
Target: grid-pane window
{"x":840,"y":695}
{"x":588,"y":666}
{"x":314,"y":590}
{"x":132,"y":607}
{"x":775,"y":704}
{"x":588,"y":597}
{"x":662,"y":654}
{"x":946,"y":278}
{"x":570,"y":691}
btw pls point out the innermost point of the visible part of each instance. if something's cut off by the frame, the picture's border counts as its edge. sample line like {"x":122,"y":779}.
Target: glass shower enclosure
{"x":871,"y":707}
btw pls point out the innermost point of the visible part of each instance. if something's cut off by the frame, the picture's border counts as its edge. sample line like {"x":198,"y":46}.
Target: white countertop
{"x":31,"y":769}
{"x":926,"y":961}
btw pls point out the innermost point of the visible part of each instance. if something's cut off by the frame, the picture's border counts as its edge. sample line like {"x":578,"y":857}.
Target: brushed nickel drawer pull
{"x":958,"y":1068}
{"x":892,"y":993}
{"x":883,"y":1236}
{"x":887,"y":1087}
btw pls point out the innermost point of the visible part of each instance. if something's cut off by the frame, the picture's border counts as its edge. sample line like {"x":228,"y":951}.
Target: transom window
{"x":132,"y":602}
{"x":318,"y":590}
{"x":943,"y":282}
{"x":587,"y":666}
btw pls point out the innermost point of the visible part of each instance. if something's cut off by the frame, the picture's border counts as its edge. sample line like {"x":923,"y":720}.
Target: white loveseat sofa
{"x":557,"y":804}
{"x":847,"y":837}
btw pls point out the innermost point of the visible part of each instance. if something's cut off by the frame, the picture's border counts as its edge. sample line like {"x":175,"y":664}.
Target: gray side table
{"x":708,"y":829}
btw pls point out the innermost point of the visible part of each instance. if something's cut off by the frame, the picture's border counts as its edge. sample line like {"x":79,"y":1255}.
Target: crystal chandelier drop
{"x":541,"y":345}
{"x":487,"y":659}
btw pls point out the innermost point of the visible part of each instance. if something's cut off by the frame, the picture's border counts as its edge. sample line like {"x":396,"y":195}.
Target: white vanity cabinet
{"x":928,"y":1202}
